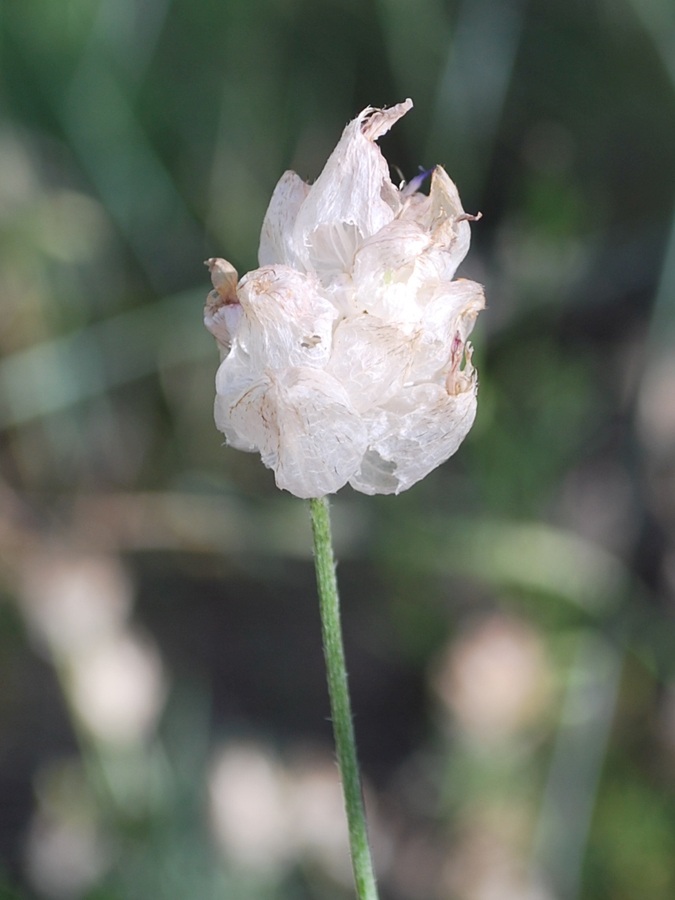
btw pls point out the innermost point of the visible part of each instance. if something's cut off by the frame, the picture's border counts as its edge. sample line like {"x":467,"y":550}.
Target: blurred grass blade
{"x":54,"y":375}
{"x":132,"y":182}
{"x":473,"y":86}
{"x":580,"y":747}
{"x":131,"y":30}
{"x":532,"y":556}
{"x":658,"y":19}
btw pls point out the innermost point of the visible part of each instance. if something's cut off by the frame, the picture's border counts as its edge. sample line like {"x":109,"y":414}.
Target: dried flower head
{"x":345,"y":355}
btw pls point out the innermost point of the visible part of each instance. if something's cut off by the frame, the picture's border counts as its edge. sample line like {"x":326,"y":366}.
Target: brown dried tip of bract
{"x":376,"y":122}
{"x":224,"y":277}
{"x":222,"y":310}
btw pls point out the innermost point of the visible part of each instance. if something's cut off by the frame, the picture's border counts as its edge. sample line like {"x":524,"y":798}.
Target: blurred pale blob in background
{"x":494,"y":680}
{"x":487,"y":863}
{"x":66,"y":850}
{"x":318,"y":820}
{"x":249,"y":809}
{"x":78,"y":610}
{"x":72,"y":602}
{"x":267,"y":815}
{"x":64,"y":859}
{"x":79,"y":607}
{"x":70,"y":226}
{"x":117,"y":688}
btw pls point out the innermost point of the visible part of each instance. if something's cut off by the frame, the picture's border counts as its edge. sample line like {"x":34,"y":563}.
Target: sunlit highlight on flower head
{"x":345,"y":355}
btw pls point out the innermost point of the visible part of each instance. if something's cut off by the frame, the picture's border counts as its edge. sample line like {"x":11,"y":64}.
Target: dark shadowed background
{"x":509,"y":620}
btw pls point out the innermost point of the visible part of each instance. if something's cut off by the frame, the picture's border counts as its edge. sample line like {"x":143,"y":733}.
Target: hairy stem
{"x":341,"y":712}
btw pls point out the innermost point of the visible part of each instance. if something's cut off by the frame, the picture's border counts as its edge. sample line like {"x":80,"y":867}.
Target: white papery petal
{"x":236,"y":373}
{"x":254,"y":417}
{"x":370,"y":359}
{"x":443,"y":204}
{"x":340,"y":292}
{"x":442,"y":216}
{"x":385,"y":282}
{"x":222,"y":413}
{"x":455,"y":306}
{"x":287,"y":321}
{"x":300,"y":420}
{"x":446,"y":323}
{"x":395,"y":246}
{"x":276,"y":238}
{"x":237,"y":381}
{"x":352,"y":198}
{"x":322,"y":438}
{"x":417,"y":431}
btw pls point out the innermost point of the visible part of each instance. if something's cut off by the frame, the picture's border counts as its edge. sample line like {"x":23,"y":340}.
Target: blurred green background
{"x":509,"y":621}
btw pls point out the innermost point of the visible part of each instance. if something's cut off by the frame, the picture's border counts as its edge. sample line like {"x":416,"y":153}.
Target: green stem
{"x":339,"y":700}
